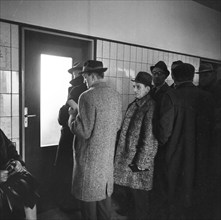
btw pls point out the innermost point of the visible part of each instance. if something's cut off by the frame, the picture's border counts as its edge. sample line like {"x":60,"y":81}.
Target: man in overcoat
{"x":64,"y":159}
{"x":159,"y":73}
{"x":184,"y":134}
{"x":95,"y":125}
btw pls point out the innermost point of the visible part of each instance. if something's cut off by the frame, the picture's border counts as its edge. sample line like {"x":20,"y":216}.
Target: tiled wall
{"x":9,"y":81}
{"x":125,"y":61}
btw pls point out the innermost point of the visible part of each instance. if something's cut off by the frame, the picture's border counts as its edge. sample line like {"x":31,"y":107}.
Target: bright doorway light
{"x":54,"y":90}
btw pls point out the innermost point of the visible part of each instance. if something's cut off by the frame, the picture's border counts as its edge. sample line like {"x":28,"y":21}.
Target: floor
{"x":53,"y":212}
{"x":48,"y":210}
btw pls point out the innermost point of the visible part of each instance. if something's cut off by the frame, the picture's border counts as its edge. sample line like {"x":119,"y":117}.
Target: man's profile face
{"x":75,"y":73}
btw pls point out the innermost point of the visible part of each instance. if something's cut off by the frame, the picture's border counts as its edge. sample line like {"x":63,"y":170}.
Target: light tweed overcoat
{"x":96,"y":127}
{"x":137,"y":145}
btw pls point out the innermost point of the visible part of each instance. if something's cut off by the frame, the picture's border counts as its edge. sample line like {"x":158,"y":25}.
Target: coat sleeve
{"x":63,"y":115}
{"x":166,"y":120}
{"x":147,"y":145}
{"x":10,"y":150}
{"x":83,"y":124}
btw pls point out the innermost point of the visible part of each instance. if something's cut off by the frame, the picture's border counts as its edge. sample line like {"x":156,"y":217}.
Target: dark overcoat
{"x":64,"y":154}
{"x":185,"y":139}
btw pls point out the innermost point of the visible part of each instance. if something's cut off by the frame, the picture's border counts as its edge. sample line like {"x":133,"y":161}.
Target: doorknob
{"x":26,"y":116}
{"x":30,"y":116}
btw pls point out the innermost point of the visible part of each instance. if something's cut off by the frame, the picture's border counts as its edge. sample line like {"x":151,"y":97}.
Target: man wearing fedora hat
{"x":184,"y":146}
{"x":64,"y":159}
{"x":136,"y":149}
{"x":208,"y":82}
{"x":160,"y":73}
{"x":95,"y":123}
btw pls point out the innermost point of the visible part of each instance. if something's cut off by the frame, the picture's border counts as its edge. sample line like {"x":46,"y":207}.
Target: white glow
{"x":54,"y":90}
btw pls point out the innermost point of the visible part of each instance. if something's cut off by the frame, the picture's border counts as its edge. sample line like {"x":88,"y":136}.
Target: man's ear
{"x":93,"y":77}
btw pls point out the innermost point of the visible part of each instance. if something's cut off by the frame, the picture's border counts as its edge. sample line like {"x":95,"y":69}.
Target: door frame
{"x":22,"y":30}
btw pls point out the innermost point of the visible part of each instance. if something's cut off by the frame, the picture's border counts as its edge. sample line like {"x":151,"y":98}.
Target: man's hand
{"x":3,"y":176}
{"x":18,"y":166}
{"x":72,"y":104}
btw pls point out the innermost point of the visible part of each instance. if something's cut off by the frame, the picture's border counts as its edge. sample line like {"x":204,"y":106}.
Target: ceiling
{"x":216,"y":5}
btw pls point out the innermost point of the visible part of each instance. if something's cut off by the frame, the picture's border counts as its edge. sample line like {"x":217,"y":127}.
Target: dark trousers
{"x":141,"y":204}
{"x":97,"y":210}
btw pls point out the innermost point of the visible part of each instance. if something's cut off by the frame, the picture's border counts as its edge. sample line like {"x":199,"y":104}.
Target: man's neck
{"x":159,"y":86}
{"x":98,"y":80}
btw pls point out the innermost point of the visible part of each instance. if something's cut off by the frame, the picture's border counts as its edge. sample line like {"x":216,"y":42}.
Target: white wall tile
{"x":133,"y":54}
{"x":139,"y":55}
{"x":119,"y":85}
{"x":5,"y":125}
{"x":106,"y":49}
{"x":5,"y":105}
{"x":14,"y":34}
{"x":113,"y":68}
{"x":99,"y":48}
{"x":15,"y":66}
{"x":4,"y":34}
{"x":127,"y":52}
{"x":120,"y":68}
{"x":150,"y":56}
{"x":15,"y":127}
{"x":126,"y":86}
{"x":113,"y":50}
{"x":5,"y":81}
{"x":5,"y":58}
{"x":15,"y":105}
{"x":120,"y":51}
{"x":144,"y":55}
{"x":127,"y":68}
{"x":132,"y":70}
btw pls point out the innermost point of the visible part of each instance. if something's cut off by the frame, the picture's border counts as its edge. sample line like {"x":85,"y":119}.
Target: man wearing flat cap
{"x":95,"y":123}
{"x":64,"y":158}
{"x":184,"y":146}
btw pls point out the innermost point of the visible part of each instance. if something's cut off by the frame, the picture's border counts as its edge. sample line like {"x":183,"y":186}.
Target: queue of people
{"x":163,"y":147}
{"x":164,"y":151}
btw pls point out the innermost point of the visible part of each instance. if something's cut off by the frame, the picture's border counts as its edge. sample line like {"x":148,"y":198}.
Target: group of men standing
{"x":185,"y":128}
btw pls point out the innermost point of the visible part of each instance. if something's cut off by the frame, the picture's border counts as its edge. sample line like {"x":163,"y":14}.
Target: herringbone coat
{"x":136,"y":144}
{"x":96,"y":127}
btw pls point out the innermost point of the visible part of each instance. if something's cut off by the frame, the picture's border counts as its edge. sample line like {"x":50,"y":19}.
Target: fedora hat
{"x":161,"y":65}
{"x":184,"y":71}
{"x":144,"y":78}
{"x":76,"y":66}
{"x":205,"y":68}
{"x":93,"y":66}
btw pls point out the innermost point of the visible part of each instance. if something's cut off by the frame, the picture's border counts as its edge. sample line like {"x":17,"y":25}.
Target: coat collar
{"x":184,"y":84}
{"x":99,"y":84}
{"x":77,"y":81}
{"x":142,"y":101}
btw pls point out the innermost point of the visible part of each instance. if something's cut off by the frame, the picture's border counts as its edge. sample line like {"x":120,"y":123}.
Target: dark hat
{"x":184,"y":71}
{"x":93,"y":66}
{"x":176,"y":63}
{"x":144,"y":78}
{"x":205,"y":68}
{"x":76,"y":66}
{"x":161,"y":65}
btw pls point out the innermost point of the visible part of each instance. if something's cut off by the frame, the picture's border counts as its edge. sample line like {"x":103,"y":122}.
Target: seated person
{"x":18,"y":196}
